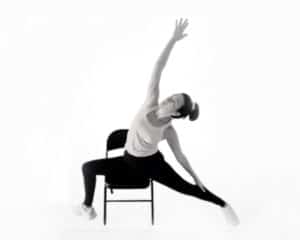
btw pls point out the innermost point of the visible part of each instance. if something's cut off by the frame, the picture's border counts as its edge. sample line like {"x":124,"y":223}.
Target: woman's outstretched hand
{"x":179,"y":29}
{"x":199,"y":183}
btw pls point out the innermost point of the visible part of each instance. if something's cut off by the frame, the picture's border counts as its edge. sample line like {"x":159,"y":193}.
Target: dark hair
{"x":187,"y":109}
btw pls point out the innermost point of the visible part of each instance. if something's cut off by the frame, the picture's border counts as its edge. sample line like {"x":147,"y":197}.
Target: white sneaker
{"x":85,"y":211}
{"x":230,"y":215}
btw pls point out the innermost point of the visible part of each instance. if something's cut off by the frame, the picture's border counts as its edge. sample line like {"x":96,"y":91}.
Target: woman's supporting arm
{"x":171,"y":136}
{"x":187,"y":166}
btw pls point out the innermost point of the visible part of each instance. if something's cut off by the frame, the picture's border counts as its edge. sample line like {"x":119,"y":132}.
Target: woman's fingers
{"x":202,"y":187}
{"x":181,"y":24}
{"x":180,"y":27}
{"x":185,"y":23}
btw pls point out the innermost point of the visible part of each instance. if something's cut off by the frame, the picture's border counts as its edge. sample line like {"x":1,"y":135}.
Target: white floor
{"x":263,"y":219}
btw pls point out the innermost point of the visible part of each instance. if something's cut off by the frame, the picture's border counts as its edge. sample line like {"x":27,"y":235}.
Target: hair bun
{"x":194,"y":114}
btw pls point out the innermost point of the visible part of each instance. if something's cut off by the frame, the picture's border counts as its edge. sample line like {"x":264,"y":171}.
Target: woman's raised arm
{"x":153,"y":89}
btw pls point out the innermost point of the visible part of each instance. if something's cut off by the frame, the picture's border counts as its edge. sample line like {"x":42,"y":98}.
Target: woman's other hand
{"x":179,"y":29}
{"x":199,"y":183}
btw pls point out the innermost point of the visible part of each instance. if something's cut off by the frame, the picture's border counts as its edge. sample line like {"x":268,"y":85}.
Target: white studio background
{"x":73,"y":71}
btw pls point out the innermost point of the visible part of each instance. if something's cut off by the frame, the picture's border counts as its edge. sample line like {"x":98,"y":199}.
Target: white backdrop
{"x":73,"y":71}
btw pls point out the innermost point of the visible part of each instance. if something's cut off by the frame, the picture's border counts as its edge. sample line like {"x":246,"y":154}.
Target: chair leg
{"x":152,"y":203}
{"x":105,"y":202}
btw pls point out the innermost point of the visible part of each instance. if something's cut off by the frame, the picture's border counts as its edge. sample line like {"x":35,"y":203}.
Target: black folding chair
{"x":126,"y":180}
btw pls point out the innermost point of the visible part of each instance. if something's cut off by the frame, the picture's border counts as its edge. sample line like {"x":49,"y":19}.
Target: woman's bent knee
{"x":95,"y":167}
{"x":86,"y":168}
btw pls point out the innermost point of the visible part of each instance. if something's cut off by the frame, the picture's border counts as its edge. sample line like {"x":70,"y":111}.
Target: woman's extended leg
{"x":163,"y":173}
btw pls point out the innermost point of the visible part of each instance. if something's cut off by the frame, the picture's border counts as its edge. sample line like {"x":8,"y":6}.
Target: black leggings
{"x":154,"y":167}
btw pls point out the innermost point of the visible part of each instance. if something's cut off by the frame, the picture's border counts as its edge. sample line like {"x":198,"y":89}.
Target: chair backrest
{"x":116,"y":139}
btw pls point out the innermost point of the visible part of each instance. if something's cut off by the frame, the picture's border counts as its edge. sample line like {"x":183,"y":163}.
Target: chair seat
{"x":123,"y":176}
{"x":127,"y":182}
{"x":127,"y":186}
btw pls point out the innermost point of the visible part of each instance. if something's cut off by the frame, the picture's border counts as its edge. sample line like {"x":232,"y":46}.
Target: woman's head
{"x":179,"y":106}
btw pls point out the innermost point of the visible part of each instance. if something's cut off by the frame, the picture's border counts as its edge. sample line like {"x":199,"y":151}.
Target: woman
{"x":152,"y":124}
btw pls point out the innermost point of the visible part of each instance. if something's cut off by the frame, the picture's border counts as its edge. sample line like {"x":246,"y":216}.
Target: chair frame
{"x":124,"y":187}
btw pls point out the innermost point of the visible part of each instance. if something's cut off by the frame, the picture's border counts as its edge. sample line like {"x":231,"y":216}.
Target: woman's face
{"x":170,"y":105}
